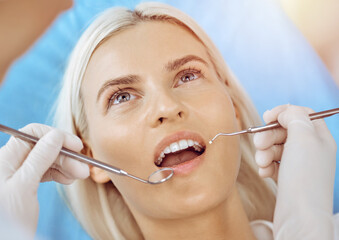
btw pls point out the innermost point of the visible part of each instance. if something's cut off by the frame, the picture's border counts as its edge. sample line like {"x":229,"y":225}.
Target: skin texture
{"x":21,"y":23}
{"x":201,"y":205}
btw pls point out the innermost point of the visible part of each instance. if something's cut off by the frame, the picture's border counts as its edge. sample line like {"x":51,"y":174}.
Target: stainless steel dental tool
{"x":159,"y":176}
{"x":313,"y":116}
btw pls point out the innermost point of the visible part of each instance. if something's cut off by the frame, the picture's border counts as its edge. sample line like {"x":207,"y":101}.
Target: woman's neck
{"x":226,"y":221}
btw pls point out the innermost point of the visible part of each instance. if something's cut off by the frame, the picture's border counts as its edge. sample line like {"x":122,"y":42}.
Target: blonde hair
{"x":111,"y":218}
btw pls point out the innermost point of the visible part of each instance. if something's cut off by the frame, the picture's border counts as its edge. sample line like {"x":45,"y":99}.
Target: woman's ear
{"x":98,"y":175}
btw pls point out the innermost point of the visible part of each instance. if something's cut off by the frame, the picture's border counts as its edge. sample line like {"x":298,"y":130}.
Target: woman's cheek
{"x":109,"y":146}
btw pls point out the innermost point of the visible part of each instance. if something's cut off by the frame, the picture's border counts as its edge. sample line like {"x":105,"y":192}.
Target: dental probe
{"x":275,"y":124}
{"x":159,"y":176}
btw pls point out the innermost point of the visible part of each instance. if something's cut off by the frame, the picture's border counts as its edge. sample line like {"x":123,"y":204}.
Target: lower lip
{"x":187,"y":167}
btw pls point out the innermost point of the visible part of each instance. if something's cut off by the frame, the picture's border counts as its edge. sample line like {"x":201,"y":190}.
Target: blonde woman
{"x":147,"y":89}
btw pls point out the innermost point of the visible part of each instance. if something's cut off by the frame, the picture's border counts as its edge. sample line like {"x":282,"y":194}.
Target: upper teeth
{"x":177,"y":146}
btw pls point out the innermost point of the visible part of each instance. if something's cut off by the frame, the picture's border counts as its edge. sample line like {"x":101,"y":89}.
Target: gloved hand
{"x":23,"y":166}
{"x":305,"y":175}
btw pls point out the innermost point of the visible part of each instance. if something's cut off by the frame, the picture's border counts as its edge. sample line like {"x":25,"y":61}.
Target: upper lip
{"x":175,"y":138}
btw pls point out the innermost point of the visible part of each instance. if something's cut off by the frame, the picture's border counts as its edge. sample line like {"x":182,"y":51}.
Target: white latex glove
{"x":306,"y":173}
{"x":23,"y":166}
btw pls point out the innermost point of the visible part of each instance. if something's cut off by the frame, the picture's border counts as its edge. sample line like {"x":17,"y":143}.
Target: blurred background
{"x":282,"y":52}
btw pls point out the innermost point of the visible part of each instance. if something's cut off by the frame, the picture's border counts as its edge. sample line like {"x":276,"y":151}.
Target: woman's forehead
{"x":152,"y":42}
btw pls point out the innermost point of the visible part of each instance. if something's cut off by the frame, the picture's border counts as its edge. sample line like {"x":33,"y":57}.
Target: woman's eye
{"x":188,"y":77}
{"x":120,"y":97}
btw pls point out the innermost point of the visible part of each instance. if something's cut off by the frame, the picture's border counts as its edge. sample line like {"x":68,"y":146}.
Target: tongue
{"x":179,"y":157}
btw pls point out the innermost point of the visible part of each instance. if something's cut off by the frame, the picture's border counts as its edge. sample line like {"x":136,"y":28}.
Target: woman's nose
{"x":166,"y":108}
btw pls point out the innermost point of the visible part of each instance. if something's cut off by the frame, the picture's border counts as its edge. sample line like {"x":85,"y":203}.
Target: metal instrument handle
{"x":91,"y":161}
{"x":65,"y":151}
{"x":275,"y":124}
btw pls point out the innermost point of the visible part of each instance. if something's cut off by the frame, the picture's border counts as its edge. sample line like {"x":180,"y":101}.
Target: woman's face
{"x":152,"y":89}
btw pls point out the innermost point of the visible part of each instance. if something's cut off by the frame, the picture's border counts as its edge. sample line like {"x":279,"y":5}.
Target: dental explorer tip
{"x":210,"y":142}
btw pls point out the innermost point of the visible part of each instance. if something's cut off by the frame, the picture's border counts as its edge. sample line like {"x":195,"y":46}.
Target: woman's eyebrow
{"x":123,"y":80}
{"x":131,"y":79}
{"x":174,"y":65}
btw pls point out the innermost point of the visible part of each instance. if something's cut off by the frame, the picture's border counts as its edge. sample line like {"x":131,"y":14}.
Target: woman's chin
{"x":188,"y":205}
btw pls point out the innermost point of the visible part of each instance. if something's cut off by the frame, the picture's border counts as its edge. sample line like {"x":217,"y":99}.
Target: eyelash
{"x":116,"y":94}
{"x":181,"y":74}
{"x":191,"y":70}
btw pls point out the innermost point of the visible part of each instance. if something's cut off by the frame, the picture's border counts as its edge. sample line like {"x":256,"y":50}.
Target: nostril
{"x":179,"y":114}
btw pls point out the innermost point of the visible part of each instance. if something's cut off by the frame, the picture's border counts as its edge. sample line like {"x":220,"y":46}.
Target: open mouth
{"x":179,"y":152}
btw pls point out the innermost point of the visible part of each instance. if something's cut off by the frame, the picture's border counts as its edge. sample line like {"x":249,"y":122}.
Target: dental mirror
{"x":159,"y":176}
